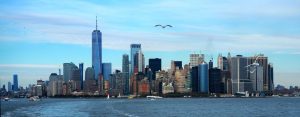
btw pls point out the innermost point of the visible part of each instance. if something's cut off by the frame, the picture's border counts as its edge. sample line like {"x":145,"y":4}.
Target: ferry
{"x":154,"y":97}
{"x":6,"y":99}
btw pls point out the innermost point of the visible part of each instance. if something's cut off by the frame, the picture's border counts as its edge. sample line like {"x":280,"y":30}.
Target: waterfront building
{"x":196,"y":59}
{"x":154,"y":65}
{"x":81,"y":75}
{"x":9,"y":86}
{"x":175,"y":64}
{"x":210,"y":64}
{"x":89,"y":73}
{"x":180,"y":80}
{"x":139,"y":62}
{"x":203,"y":78}
{"x":262,"y":61}
{"x":271,"y":77}
{"x":195,"y":79}
{"x":106,"y":70}
{"x":134,"y":48}
{"x":97,"y":52}
{"x":240,"y":80}
{"x":68,"y":71}
{"x":256,"y":77}
{"x":125,"y":71}
{"x":16,"y":82}
{"x":167,"y":88}
{"x":215,"y":81}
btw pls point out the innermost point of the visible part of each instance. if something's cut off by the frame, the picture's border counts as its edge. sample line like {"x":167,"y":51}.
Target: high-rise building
{"x":240,"y":80}
{"x":215,"y":81}
{"x":68,"y":71}
{"x":16,"y":85}
{"x":210,"y":64}
{"x":139,"y":62}
{"x":195,"y":79}
{"x":271,"y":77}
{"x":81,"y":75}
{"x":134,"y":48}
{"x":194,"y":60}
{"x":89,"y":73}
{"x":203,"y":78}
{"x":262,"y":61}
{"x":106,"y":70}
{"x":256,"y":77}
{"x":125,"y":70}
{"x":125,"y":63}
{"x":154,"y":65}
{"x":97,"y":52}
{"x":9,"y":86}
{"x":175,"y":64}
{"x":220,"y":61}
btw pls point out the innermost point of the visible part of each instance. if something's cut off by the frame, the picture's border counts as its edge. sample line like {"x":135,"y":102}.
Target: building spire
{"x":96,"y":23}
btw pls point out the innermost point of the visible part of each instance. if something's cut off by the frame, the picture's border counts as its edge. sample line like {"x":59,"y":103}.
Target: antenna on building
{"x":96,"y":23}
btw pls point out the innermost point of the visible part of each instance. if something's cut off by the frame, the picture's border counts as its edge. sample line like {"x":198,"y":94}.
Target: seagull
{"x":163,"y":26}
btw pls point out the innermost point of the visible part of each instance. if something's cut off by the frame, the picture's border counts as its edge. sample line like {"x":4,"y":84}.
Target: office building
{"x":215,"y":81}
{"x":81,"y":75}
{"x":125,"y":70}
{"x":239,"y":75}
{"x":256,"y":77}
{"x":203,"y":78}
{"x":15,"y":80}
{"x":154,"y":65}
{"x":134,"y":48}
{"x":97,"y":52}
{"x":68,"y":71}
{"x":106,"y":70}
{"x":139,"y":62}
{"x":9,"y":86}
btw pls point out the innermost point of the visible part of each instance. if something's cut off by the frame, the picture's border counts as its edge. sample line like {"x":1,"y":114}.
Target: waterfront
{"x":147,"y":108}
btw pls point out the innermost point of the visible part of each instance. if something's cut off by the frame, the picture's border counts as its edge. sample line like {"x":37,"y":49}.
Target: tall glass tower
{"x":97,"y":51}
{"x":134,"y":48}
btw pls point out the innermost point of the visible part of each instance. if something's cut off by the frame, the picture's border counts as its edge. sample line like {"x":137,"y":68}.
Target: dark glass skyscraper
{"x":97,"y":51}
{"x":154,"y":65}
{"x":81,"y":75}
{"x":125,"y":70}
{"x":16,"y":85}
{"x":215,"y":81}
{"x":195,"y":79}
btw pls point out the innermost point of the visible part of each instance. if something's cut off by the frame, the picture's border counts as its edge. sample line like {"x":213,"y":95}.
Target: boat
{"x":153,"y":97}
{"x":6,"y":99}
{"x":34,"y":98}
{"x":107,"y":96}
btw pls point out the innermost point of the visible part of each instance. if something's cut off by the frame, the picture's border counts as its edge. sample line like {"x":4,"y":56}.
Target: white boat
{"x":6,"y":99}
{"x":154,"y":97}
{"x":34,"y":98}
{"x":107,"y":96}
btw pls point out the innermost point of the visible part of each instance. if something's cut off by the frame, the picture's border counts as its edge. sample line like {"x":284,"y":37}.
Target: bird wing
{"x":169,"y":25}
{"x":157,"y":25}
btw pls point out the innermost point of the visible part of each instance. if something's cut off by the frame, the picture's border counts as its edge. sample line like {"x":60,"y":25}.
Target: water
{"x":172,"y":107}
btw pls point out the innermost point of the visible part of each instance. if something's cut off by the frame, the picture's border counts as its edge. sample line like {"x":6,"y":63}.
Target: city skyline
{"x":45,"y":50}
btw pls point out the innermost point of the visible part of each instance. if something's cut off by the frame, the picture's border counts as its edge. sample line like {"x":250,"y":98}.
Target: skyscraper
{"x":9,"y":86}
{"x":215,"y":81}
{"x":256,"y":77}
{"x":271,"y":77}
{"x":125,"y":63}
{"x":195,"y":79}
{"x":203,"y":78}
{"x":139,"y":62}
{"x":81,"y":75}
{"x":89,"y":73}
{"x":210,"y":64}
{"x":97,"y":51}
{"x":134,"y":48}
{"x":154,"y":65}
{"x":16,"y":86}
{"x":196,"y":59}
{"x":175,"y":64}
{"x":262,"y":61}
{"x":125,"y":70}
{"x":240,"y":81}
{"x":68,"y":71}
{"x":106,"y":70}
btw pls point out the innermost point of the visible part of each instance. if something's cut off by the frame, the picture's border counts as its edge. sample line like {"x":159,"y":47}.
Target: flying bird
{"x":163,"y":26}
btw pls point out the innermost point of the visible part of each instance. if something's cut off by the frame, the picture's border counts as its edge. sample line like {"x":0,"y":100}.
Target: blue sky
{"x":36,"y":37}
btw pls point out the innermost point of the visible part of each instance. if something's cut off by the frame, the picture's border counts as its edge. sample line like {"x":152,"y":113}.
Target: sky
{"x":37,"y":37}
